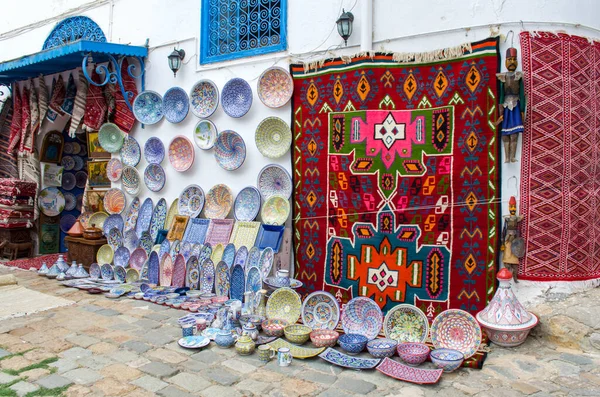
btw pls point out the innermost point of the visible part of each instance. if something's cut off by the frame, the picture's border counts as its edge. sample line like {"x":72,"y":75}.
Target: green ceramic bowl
{"x":297,"y":333}
{"x":111,"y":137}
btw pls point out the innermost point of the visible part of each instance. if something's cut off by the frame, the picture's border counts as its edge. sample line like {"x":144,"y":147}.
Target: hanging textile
{"x":560,"y":177}
{"x":109,"y":96}
{"x":8,"y":163}
{"x":56,"y":99}
{"x":15,"y":126}
{"x":42,"y":101}
{"x":34,"y":109}
{"x":95,"y":106}
{"x":70,"y":93}
{"x":396,"y":178}
{"x":124,"y":117}
{"x":79,"y":105}
{"x":26,"y":144}
{"x":29,"y":170}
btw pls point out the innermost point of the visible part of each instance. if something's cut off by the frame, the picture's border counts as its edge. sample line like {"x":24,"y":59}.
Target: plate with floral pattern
{"x":158,"y":218}
{"x":320,"y":310}
{"x":176,"y":105}
{"x":114,"y":201}
{"x":230,"y":150}
{"x":247,"y":204}
{"x":132,"y":214}
{"x":362,"y":316}
{"x":191,"y":201}
{"x":273,"y":137}
{"x":154,"y":150}
{"x":228,"y":254}
{"x":456,"y":329}
{"x":406,"y":323}
{"x":218,"y":202}
{"x":274,"y":179}
{"x":114,"y":168}
{"x":95,"y":272}
{"x":285,"y":304}
{"x":131,"y":153}
{"x":275,"y":210}
{"x":121,"y":257}
{"x":148,"y":107}
{"x":173,"y":211}
{"x":275,"y":87}
{"x":181,"y":153}
{"x":204,"y":98}
{"x":205,"y":134}
{"x":343,"y":360}
{"x":222,"y":279}
{"x":107,"y":272}
{"x":236,"y":97}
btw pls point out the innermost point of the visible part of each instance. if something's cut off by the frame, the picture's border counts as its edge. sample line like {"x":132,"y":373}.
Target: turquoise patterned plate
{"x":147,"y":107}
{"x":193,"y":342}
{"x":111,"y":137}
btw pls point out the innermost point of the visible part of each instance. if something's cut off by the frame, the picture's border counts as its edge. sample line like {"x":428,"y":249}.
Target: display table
{"x":82,"y":250}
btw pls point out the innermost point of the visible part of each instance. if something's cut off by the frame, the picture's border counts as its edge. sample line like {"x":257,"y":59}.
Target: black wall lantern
{"x":344,"y":25}
{"x":175,"y":59}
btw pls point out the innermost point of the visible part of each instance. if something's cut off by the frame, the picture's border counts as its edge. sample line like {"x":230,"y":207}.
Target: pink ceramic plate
{"x":178,"y":279}
{"x":403,"y":372}
{"x":114,"y":201}
{"x":138,"y":258}
{"x":166,"y":271}
{"x":181,"y":153}
{"x":114,"y":168}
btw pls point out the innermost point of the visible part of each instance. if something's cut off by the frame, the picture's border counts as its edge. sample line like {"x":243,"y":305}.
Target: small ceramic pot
{"x":251,"y":330}
{"x":447,"y":359}
{"x":224,"y":339}
{"x":265,"y":353}
{"x":92,"y":233}
{"x":245,"y":345}
{"x":413,"y":353}
{"x":297,"y":333}
{"x":284,"y":357}
{"x":324,"y":337}
{"x":274,"y":327}
{"x":352,"y":343}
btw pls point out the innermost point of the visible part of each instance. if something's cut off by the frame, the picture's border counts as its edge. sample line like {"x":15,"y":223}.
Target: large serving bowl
{"x":324,"y":337}
{"x":297,"y":333}
{"x":380,"y":348}
{"x":447,"y":359}
{"x":413,"y":353}
{"x":352,"y":343}
{"x":274,"y":327}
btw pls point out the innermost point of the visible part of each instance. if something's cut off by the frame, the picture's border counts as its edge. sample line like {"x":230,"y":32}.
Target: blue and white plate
{"x":266,"y":262}
{"x":196,"y":230}
{"x":175,"y":105}
{"x":107,"y":272}
{"x":113,"y":221}
{"x":191,"y":201}
{"x":154,"y":150}
{"x":193,"y":342}
{"x":146,"y":242}
{"x":132,"y":214}
{"x":247,"y":204}
{"x":186,"y":250}
{"x":207,"y":276}
{"x":253,"y":259}
{"x":147,"y":107}
{"x":229,"y":254}
{"x":236,"y":97}
{"x":241,"y":256}
{"x":121,"y":257}
{"x":165,"y":247}
{"x":79,"y":163}
{"x":144,"y":217}
{"x":222,"y":279}
{"x":155,"y":177}
{"x":253,"y":280}
{"x":192,"y":273}
{"x":120,"y":274}
{"x":196,"y":248}
{"x":131,"y":153}
{"x":130,"y":240}
{"x":114,"y":238}
{"x":343,"y":360}
{"x":237,"y":283}
{"x":95,"y":271}
{"x":158,"y":218}
{"x":154,"y":267}
{"x":205,"y":252}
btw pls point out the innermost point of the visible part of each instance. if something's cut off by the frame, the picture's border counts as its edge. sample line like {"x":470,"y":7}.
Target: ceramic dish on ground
{"x":218,"y":202}
{"x":98,"y":219}
{"x":236,"y":97}
{"x":352,"y":343}
{"x":114,"y":201}
{"x":173,"y":211}
{"x":131,"y":153}
{"x":324,"y":337}
{"x":111,"y":137}
{"x":284,"y":303}
{"x":114,"y":168}
{"x":205,"y":134}
{"x":413,"y":353}
{"x":275,"y":210}
{"x":320,"y":310}
{"x":68,"y":181}
{"x":130,"y":180}
{"x":406,"y":323}
{"x":273,"y":137}
{"x":176,"y":105}
{"x":382,"y":347}
{"x":274,"y":326}
{"x":362,"y":316}
{"x":147,"y":107}
{"x":230,"y":150}
{"x":296,"y":351}
{"x":447,"y":359}
{"x":154,"y":177}
{"x":297,"y":333}
{"x":81,"y":179}
{"x":343,"y":360}
{"x":275,"y":87}
{"x":191,"y":201}
{"x":154,"y":150}
{"x":247,"y":204}
{"x":400,"y":371}
{"x":181,"y":153}
{"x":51,"y":201}
{"x":104,"y":255}
{"x":193,"y":342}
{"x":274,"y":179}
{"x":204,"y":98}
{"x":107,"y":271}
{"x":458,"y":330}
{"x":120,"y":274}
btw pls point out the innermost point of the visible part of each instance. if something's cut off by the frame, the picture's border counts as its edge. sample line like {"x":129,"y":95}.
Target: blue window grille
{"x":234,"y":29}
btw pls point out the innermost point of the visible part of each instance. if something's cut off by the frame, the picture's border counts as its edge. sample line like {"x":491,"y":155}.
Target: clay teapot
{"x":76,"y":230}
{"x":92,"y":233}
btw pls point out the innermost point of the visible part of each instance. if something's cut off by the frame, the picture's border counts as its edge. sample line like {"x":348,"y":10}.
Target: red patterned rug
{"x":396,"y":179}
{"x":560,"y":174}
{"x":28,"y":263}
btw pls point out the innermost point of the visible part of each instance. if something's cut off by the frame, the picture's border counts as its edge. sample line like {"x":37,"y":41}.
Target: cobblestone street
{"x":125,"y":347}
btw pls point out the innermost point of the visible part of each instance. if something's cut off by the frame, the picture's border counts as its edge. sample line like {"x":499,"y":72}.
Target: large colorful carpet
{"x":28,"y":263}
{"x":560,"y":177}
{"x":396,"y":179}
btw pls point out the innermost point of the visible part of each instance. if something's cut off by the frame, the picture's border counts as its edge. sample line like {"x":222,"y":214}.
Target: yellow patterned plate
{"x":104,"y":255}
{"x":284,"y":304}
{"x":275,"y":210}
{"x":219,"y":201}
{"x":173,"y":210}
{"x":98,"y":219}
{"x":217,"y":253}
{"x":297,"y":351}
{"x":244,"y":234}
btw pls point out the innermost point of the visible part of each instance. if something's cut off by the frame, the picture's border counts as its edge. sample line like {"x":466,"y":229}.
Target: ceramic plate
{"x":244,"y":233}
{"x":104,"y":255}
{"x":343,"y":360}
{"x":95,"y":271}
{"x":181,"y":153}
{"x":253,"y":258}
{"x":219,"y":231}
{"x":154,"y":177}
{"x":52,"y":202}
{"x":81,"y":179}
{"x":68,"y":181}
{"x":275,"y":210}
{"x":98,"y":219}
{"x":107,"y":272}
{"x":274,"y":283}
{"x":275,"y":87}
{"x":236,"y":97}
{"x":165,"y":248}
{"x":68,"y":163}
{"x":121,"y":257}
{"x":193,"y":342}
{"x":207,"y":276}
{"x":406,"y":323}
{"x":147,"y":107}
{"x":173,"y":211}
{"x":204,"y":98}
{"x":205,"y":134}
{"x":67,"y":222}
{"x":270,"y":236}
{"x":138,"y":258}
{"x":154,"y":267}
{"x":222,"y":279}
{"x":132,"y":214}
{"x":78,"y":163}
{"x":68,"y":148}
{"x":114,"y":168}
{"x":113,"y":221}
{"x":253,"y":280}
{"x":166,"y":271}
{"x":120,"y":274}
{"x":191,"y":201}
{"x":205,"y":252}
{"x":111,"y":137}
{"x":266,"y":262}
{"x":132,"y":276}
{"x":176,"y":105}
{"x":158,"y":218}
{"x":131,"y":153}
{"x":218,"y":202}
{"x":237,"y":283}
{"x":196,"y":230}
{"x":247,"y":204}
{"x":114,"y":201}
{"x":456,"y":329}
{"x":154,"y":150}
{"x":70,"y":201}
{"x":295,"y":350}
{"x":400,"y":371}
{"x":362,"y":316}
{"x":228,"y":254}
{"x":241,"y":256}
{"x":320,"y":310}
{"x":217,"y":253}
{"x":130,"y":240}
{"x":230,"y":150}
{"x":114,"y":238}
{"x":84,"y":219}
{"x":130,"y":180}
{"x":178,"y":279}
{"x":192,"y":274}
{"x":144,"y":217}
{"x":274,"y":179}
{"x":284,"y":303}
{"x":273,"y":137}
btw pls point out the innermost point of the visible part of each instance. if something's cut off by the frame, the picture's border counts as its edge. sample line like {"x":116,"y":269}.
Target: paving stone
{"x":189,"y":382}
{"x":75,"y":353}
{"x":239,"y":366}
{"x":102,"y":348}
{"x":324,"y":366}
{"x":527,"y":365}
{"x":157,"y":317}
{"x":6,"y":378}
{"x":158,"y":308}
{"x":139,"y":362}
{"x":83,"y":376}
{"x":524,"y":387}
{"x":157,"y":338}
{"x":150,"y":383}
{"x":167,"y":356}
{"x":15,"y":363}
{"x":207,"y":357}
{"x":112,"y":387}
{"x":53,"y":381}
{"x":64,"y":364}
{"x":123,"y":327}
{"x":221,"y":376}
{"x":82,"y":340}
{"x":595,"y":340}
{"x":92,"y":308}
{"x":4,"y":353}
{"x":172,"y":391}
{"x":576,"y":359}
{"x":253,"y":386}
{"x":147,"y":324}
{"x":95,"y":362}
{"x":318,"y":377}
{"x":123,"y":356}
{"x":159,"y":369}
{"x":334,"y":393}
{"x":355,"y":385}
{"x":22,"y":388}
{"x":34,"y":374}
{"x":108,"y":312}
{"x":565,"y":368}
{"x":120,"y":372}
{"x":136,"y":346}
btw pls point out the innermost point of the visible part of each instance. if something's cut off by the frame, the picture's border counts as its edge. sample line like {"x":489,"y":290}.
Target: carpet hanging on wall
{"x":396,"y":179}
{"x":560,"y":174}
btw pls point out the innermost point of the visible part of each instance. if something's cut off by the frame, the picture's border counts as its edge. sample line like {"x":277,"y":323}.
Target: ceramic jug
{"x":245,"y":345}
{"x":261,"y":303}
{"x":251,"y":330}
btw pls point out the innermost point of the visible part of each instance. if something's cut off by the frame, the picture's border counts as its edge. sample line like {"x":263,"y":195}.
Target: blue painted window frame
{"x":205,"y":58}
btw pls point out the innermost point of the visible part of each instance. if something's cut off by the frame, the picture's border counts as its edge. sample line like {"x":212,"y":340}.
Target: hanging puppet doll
{"x":513,"y":245}
{"x":512,"y":105}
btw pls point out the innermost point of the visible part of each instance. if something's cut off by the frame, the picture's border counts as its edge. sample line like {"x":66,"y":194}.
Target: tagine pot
{"x":504,"y":320}
{"x":76,"y":230}
{"x":92,"y":233}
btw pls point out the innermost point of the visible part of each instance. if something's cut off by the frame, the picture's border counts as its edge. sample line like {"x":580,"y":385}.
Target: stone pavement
{"x":103,"y":347}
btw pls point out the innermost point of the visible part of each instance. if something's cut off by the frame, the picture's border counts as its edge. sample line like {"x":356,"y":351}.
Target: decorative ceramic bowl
{"x":447,"y":359}
{"x":114,"y":169}
{"x":324,"y":337}
{"x":380,"y":348}
{"x":68,"y":180}
{"x":275,"y":210}
{"x":176,"y":105}
{"x":131,"y":153}
{"x":181,"y":153}
{"x":204,"y":98}
{"x":111,"y":137}
{"x":130,"y":180}
{"x":273,"y":137}
{"x":154,"y":177}
{"x":114,"y":201}
{"x":191,"y":201}
{"x":230,"y":150}
{"x":274,"y":179}
{"x":236,"y":97}
{"x":81,"y":179}
{"x":275,"y":87}
{"x":297,"y":333}
{"x":205,"y":134}
{"x":147,"y":107}
{"x":218,"y":203}
{"x":352,"y":343}
{"x":413,"y":353}
{"x":154,"y":150}
{"x":274,"y":327}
